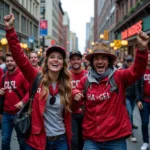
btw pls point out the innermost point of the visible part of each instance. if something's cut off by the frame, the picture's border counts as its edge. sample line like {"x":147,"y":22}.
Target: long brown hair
{"x":64,"y":80}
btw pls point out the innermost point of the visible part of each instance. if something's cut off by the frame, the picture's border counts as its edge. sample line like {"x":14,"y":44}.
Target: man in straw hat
{"x":106,"y":124}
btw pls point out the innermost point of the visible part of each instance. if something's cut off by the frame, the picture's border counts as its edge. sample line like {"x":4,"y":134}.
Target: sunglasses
{"x":52,"y":100}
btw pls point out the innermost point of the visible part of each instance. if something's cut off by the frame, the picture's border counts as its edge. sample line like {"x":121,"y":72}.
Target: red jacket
{"x":37,"y":138}
{"x":19,"y":83}
{"x":75,"y":79}
{"x":105,"y":116}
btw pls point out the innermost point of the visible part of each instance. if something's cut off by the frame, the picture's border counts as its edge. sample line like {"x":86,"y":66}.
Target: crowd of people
{"x":87,"y":104}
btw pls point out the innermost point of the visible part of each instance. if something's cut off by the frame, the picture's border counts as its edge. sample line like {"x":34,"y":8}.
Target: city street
{"x":131,"y":146}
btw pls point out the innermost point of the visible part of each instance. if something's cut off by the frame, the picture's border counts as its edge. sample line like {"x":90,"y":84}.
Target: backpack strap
{"x":114,"y":87}
{"x":86,"y":86}
{"x":35,"y":85}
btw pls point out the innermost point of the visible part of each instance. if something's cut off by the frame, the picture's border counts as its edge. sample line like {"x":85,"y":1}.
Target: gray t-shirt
{"x":53,"y":116}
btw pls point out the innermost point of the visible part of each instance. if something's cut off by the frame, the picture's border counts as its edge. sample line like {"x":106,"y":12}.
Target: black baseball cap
{"x":57,"y":49}
{"x":129,"y":58}
{"x":73,"y":53}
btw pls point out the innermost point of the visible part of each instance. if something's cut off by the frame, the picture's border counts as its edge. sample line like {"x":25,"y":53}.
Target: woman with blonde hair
{"x":51,"y":114}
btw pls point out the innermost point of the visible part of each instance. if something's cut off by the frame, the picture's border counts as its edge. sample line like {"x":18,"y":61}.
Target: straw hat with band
{"x":101,"y":48}
{"x":56,"y":49}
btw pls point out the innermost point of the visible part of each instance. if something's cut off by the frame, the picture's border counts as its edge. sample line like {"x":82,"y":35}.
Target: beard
{"x":12,"y":68}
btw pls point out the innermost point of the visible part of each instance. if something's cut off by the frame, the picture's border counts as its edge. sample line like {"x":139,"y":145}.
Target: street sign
{"x":31,"y":39}
{"x":43,"y":27}
{"x":106,"y":35}
{"x":117,"y":43}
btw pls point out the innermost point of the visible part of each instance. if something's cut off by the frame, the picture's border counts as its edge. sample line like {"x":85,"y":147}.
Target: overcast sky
{"x":79,"y":12}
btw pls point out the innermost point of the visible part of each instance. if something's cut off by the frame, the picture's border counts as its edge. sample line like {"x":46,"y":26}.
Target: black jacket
{"x":131,"y":91}
{"x":140,"y":89}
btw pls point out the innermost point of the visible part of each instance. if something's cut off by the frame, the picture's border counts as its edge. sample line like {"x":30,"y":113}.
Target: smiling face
{"x":34,"y":59}
{"x":55,"y":62}
{"x":100,"y":63}
{"x":10,"y":64}
{"x":75,"y":62}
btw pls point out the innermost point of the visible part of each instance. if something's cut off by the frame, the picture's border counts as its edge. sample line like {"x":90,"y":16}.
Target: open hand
{"x":142,"y":40}
{"x":9,"y":21}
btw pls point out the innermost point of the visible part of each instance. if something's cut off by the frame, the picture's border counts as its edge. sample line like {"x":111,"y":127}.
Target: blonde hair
{"x":64,"y":89}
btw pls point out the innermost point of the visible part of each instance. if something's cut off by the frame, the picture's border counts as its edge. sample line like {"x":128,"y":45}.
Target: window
{"x":122,"y":8}
{"x":54,"y":34}
{"x":54,"y":15}
{"x":35,"y":31}
{"x":42,"y":1}
{"x":23,"y":25}
{"x":16,"y":14}
{"x":131,"y":3}
{"x":27,"y":4}
{"x":31,"y":29}
{"x":112,"y":18}
{"x":23,"y":2}
{"x":33,"y":9}
{"x":28,"y":27}
{"x":30,"y":5}
{"x":4,"y":10}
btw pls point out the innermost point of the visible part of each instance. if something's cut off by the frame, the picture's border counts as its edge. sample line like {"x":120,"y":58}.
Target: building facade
{"x":89,"y":34}
{"x":27,"y":14}
{"x":66,"y":34}
{"x":104,"y":18}
{"x":132,"y":16}
{"x":52,"y":11}
{"x":73,"y":41}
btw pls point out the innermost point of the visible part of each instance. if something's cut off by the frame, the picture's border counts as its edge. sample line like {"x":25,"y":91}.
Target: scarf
{"x":98,"y":76}
{"x":53,"y":91}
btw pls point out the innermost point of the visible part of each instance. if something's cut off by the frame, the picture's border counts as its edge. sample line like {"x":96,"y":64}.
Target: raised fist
{"x":9,"y":21}
{"x":142,"y":40}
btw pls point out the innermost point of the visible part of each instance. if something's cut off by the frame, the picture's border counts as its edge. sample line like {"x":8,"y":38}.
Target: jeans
{"x":145,"y":112}
{"x":130,"y":104}
{"x":7,"y":128}
{"x":119,"y":144}
{"x":59,"y":144}
{"x":77,"y":141}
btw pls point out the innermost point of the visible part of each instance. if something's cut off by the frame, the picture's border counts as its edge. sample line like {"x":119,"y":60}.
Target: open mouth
{"x":100,"y":67}
{"x":55,"y":65}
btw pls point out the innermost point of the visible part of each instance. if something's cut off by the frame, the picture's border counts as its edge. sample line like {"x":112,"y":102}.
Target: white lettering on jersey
{"x":103,"y":96}
{"x":74,"y":83}
{"x":147,"y":78}
{"x":91,"y":97}
{"x":8,"y":86}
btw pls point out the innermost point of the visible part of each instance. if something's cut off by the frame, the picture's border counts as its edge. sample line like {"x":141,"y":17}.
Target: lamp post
{"x":4,"y":43}
{"x":111,"y":45}
{"x":92,"y":43}
{"x":101,"y":37}
{"x":43,"y":37}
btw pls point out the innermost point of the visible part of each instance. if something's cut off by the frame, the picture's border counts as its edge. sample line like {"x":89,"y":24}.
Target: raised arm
{"x":17,"y":52}
{"x":137,"y":70}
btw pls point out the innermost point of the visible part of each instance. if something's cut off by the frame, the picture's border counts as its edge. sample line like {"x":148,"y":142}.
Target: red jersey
{"x":19,"y":83}
{"x":147,"y":85}
{"x":75,"y":80}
